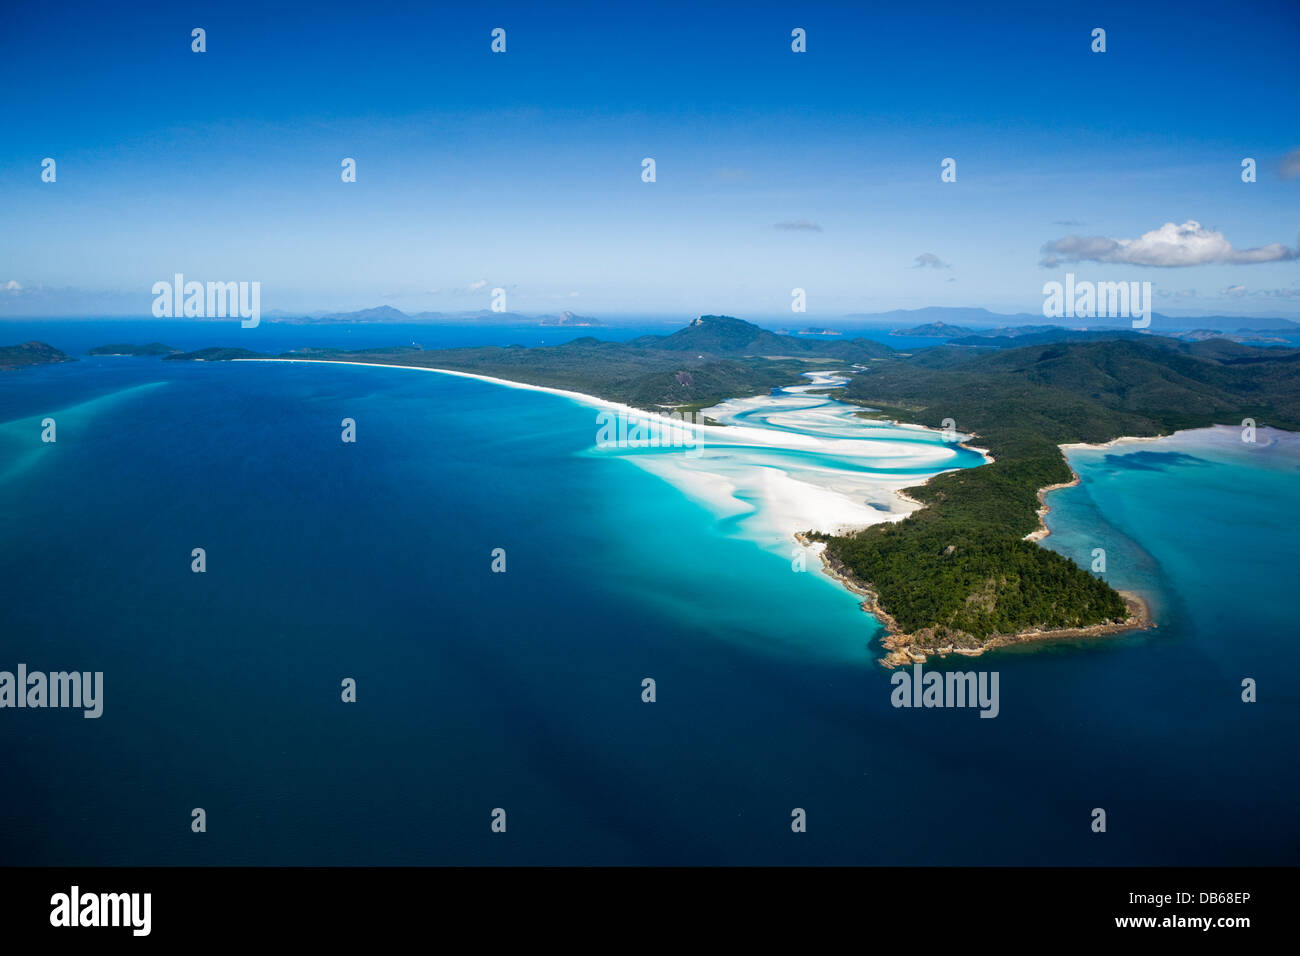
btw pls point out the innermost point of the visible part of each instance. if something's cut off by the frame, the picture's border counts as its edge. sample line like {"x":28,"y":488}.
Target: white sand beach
{"x":776,"y":464}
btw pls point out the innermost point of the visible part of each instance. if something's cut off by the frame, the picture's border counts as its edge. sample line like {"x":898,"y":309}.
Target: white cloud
{"x":13,"y":286}
{"x":928,"y":260}
{"x":1170,"y":246}
{"x":476,"y":285}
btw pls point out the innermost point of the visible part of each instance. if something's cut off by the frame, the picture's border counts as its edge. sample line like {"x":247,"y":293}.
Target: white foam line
{"x":580,"y":397}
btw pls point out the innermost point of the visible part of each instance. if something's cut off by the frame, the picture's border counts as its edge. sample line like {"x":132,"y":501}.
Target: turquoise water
{"x":1199,"y":523}
{"x":793,"y":460}
{"x":522,"y":690}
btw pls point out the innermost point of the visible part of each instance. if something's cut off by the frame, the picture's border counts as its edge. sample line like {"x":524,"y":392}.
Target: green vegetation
{"x":712,"y":359}
{"x":153,"y":348}
{"x":637,"y":376}
{"x":212,"y":355}
{"x":959,"y":570}
{"x":28,"y":354}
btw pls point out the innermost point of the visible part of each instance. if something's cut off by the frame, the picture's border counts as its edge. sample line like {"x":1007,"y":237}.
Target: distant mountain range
{"x":935,"y":321}
{"x":712,"y":358}
{"x":1009,"y":336}
{"x":930,"y":322}
{"x":386,"y":314}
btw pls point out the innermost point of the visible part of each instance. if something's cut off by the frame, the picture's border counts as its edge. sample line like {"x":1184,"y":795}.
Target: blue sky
{"x":523,"y":170}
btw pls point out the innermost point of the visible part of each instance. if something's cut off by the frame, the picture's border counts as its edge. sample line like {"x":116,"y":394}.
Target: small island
{"x":933,"y":330}
{"x":29,"y":354}
{"x":214,"y":354}
{"x":153,"y":349}
{"x":569,"y":320}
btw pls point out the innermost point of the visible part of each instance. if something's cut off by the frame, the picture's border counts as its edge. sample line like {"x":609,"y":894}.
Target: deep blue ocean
{"x":522,"y":690}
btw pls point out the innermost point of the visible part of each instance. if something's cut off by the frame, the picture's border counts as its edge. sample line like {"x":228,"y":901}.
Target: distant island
{"x":29,"y":354}
{"x":1241,"y":335}
{"x":964,"y":573}
{"x":1014,"y":335}
{"x":212,"y":355}
{"x":933,"y":330}
{"x":152,"y":349}
{"x":387,"y":315}
{"x":904,"y":321}
{"x":569,"y":320}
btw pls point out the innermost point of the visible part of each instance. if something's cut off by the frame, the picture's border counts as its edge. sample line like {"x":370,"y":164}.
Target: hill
{"x":29,"y":354}
{"x":153,"y":348}
{"x":212,"y":355}
{"x":933,"y":330}
{"x":729,"y":336}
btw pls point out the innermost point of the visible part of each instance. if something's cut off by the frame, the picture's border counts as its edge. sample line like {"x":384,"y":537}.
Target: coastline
{"x":1139,"y":618}
{"x":900,"y":646}
{"x":841,"y":516}
{"x":1044,"y":509}
{"x":1123,"y":440}
{"x":580,"y":397}
{"x":964,"y":443}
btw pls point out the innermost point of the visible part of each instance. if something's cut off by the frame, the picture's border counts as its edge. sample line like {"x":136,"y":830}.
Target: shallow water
{"x":796,"y":461}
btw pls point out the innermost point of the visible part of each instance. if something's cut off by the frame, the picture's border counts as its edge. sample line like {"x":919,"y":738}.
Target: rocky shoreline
{"x":901,"y":647}
{"x":1044,"y":508}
